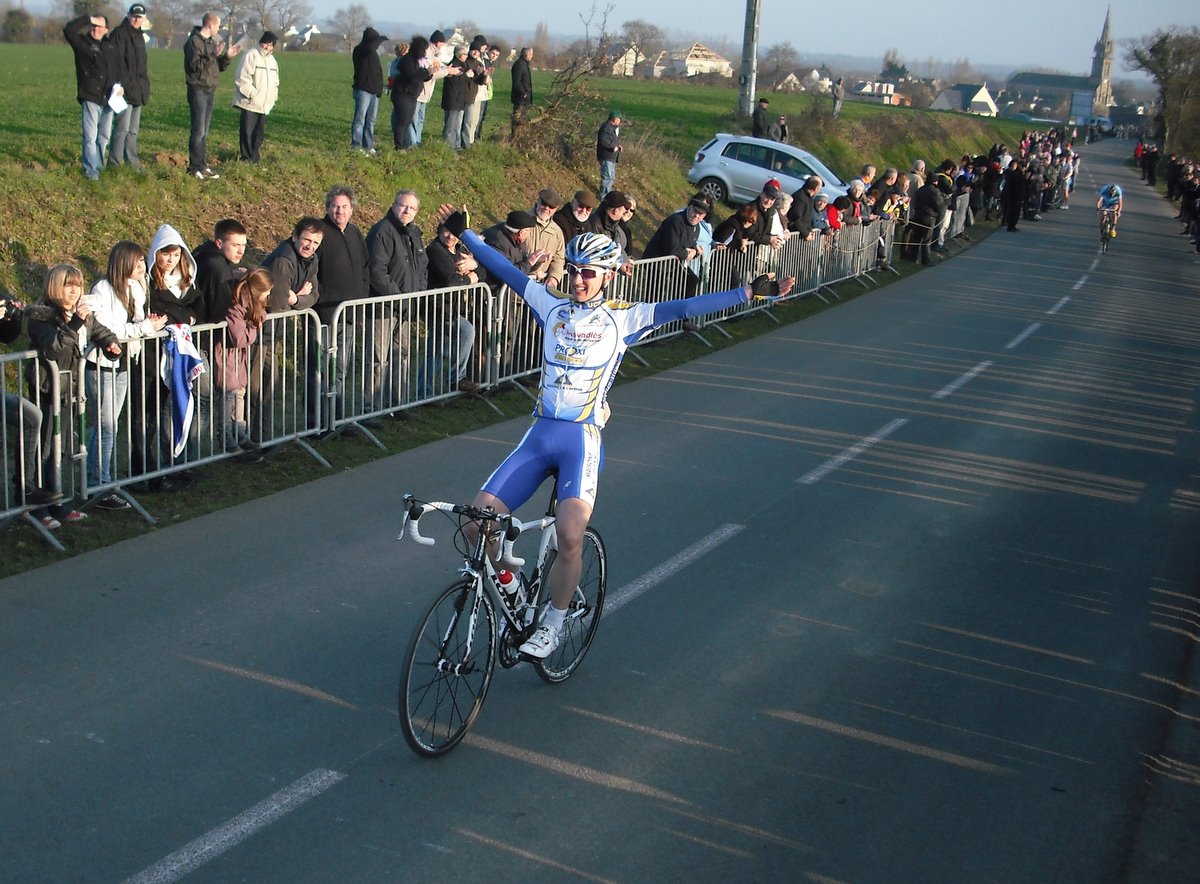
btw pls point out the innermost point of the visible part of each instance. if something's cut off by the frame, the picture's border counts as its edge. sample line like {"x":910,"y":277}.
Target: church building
{"x":1025,"y":86}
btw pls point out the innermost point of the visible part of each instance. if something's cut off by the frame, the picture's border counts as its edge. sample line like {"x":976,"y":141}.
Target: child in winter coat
{"x":61,"y":329}
{"x":231,"y":356}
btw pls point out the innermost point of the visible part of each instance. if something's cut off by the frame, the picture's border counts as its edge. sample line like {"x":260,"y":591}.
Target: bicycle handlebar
{"x":414,"y":510}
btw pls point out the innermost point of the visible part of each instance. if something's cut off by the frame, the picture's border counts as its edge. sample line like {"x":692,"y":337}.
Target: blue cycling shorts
{"x":574,"y":450}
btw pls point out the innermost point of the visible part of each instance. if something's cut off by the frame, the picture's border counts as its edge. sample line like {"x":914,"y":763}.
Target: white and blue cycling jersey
{"x":1107,"y":200}
{"x":583,"y":344}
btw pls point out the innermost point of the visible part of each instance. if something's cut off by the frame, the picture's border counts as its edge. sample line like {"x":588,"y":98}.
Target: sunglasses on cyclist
{"x":585,"y":272}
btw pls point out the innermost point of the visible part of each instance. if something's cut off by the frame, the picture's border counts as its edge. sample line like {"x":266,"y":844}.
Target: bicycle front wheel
{"x":583,"y":614}
{"x":448,"y":669}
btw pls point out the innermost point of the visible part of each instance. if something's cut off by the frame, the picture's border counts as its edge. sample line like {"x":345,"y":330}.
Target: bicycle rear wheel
{"x":583,"y":615}
{"x":447,"y":669}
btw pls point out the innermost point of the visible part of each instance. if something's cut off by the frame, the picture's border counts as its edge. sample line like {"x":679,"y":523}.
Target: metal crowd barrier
{"x":121,"y":431}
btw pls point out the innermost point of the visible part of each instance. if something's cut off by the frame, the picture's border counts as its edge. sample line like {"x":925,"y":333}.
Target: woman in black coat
{"x":411,"y":75}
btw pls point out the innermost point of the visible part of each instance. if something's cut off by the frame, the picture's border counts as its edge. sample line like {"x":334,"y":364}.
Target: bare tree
{"x":779,"y":61}
{"x":347,"y":24}
{"x":173,"y":17}
{"x":541,"y":41}
{"x":1172,"y":59}
{"x":279,"y":16}
{"x":649,"y":39}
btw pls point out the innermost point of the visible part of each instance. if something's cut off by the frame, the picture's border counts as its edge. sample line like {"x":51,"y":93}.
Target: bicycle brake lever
{"x":409,"y":528}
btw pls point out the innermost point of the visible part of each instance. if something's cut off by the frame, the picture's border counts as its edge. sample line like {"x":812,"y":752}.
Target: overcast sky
{"x":1052,"y":35}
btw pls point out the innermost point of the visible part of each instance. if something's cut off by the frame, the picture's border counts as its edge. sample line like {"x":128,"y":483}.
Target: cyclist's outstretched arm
{"x":686,"y":308}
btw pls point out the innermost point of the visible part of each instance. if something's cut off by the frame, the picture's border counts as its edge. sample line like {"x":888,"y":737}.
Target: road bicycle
{"x":1108,"y":228}
{"x":452,"y":654}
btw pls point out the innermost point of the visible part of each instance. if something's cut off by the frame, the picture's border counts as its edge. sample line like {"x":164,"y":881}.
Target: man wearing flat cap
{"x":132,"y":74}
{"x":608,"y":218}
{"x":546,"y":236}
{"x":256,"y":89}
{"x":573,"y":218}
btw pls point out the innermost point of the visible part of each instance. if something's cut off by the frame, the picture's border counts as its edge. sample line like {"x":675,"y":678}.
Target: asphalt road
{"x":915,"y":590}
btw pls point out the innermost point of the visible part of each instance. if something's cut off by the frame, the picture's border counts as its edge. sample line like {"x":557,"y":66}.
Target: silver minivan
{"x":734,"y":168}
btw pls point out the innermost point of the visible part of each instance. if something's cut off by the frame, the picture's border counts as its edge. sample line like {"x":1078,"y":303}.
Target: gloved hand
{"x":458,"y":222}
{"x":764,"y":286}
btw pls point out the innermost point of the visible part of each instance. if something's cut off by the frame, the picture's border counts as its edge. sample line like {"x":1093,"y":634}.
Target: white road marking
{"x":1078,"y":285}
{"x":208,"y":847}
{"x":1063,"y":303}
{"x":954,"y":385}
{"x":1016,"y":342}
{"x":630,"y":591}
{"x":1095,"y":264}
{"x":852,"y":452}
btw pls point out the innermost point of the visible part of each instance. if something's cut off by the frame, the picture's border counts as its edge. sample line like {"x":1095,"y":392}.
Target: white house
{"x":967,"y":98}
{"x":625,"y":59}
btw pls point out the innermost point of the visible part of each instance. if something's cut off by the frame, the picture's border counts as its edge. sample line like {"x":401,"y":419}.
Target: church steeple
{"x":1102,"y":57}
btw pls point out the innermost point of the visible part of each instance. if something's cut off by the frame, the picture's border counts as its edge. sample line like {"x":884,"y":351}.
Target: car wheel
{"x":714,"y":189}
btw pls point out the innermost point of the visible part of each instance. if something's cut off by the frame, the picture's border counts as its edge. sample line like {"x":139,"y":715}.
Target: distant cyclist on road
{"x":585,"y":336}
{"x":1111,"y":200}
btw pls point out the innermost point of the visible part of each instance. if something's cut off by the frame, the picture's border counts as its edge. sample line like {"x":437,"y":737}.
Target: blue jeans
{"x":123,"y":147}
{"x":417,"y":129}
{"x":452,"y":130}
{"x":608,"y":176}
{"x":97,"y":128}
{"x":446,"y":360}
{"x":200,"y":108}
{"x":362,"y":130}
{"x":105,"y":398}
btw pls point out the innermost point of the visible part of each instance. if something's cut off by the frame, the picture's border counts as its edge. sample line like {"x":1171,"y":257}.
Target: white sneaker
{"x":542,"y":643}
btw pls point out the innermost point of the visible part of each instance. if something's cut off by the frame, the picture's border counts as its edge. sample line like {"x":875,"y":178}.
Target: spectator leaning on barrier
{"x":218,"y":265}
{"x":366,"y":88}
{"x":97,"y":67}
{"x":130,"y":45}
{"x":397,"y":264}
{"x":61,"y":330}
{"x":677,"y":235}
{"x":800,"y":215}
{"x":768,"y":230}
{"x":26,"y":419}
{"x":204,"y":58}
{"x":255,"y":93}
{"x":546,"y":236}
{"x":609,"y":218}
{"x":118,"y":302}
{"x":343,"y":275}
{"x":608,"y":151}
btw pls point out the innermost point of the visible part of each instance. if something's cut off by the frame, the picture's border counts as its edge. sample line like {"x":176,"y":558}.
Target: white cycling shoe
{"x":542,"y":643}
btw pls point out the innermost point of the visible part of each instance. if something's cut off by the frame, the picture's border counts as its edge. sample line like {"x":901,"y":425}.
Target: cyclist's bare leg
{"x":572,"y":517}
{"x":483,"y":500}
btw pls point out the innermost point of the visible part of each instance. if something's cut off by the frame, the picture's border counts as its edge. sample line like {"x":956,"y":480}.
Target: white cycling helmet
{"x":594,"y":249}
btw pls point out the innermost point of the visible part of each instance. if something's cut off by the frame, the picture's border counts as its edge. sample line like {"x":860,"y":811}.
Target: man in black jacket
{"x":522,"y":85}
{"x":574,"y":217}
{"x":130,"y":47}
{"x":608,"y":151}
{"x":204,"y":57}
{"x":368,"y":86}
{"x":343,"y":276}
{"x":218,"y":266}
{"x":800,"y":213}
{"x":96,"y":69}
{"x":397,"y":264}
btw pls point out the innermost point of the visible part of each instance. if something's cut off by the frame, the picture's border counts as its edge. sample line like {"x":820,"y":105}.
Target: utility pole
{"x":749,"y":74}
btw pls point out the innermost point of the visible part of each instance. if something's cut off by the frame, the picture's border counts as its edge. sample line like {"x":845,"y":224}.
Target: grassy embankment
{"x":51,"y":214}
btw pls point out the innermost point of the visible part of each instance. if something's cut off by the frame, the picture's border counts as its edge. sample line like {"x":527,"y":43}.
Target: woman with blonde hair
{"x":61,"y":329}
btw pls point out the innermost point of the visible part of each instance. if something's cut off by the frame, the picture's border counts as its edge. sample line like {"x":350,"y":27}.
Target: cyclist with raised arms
{"x":1111,"y":200}
{"x":585,"y":336}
